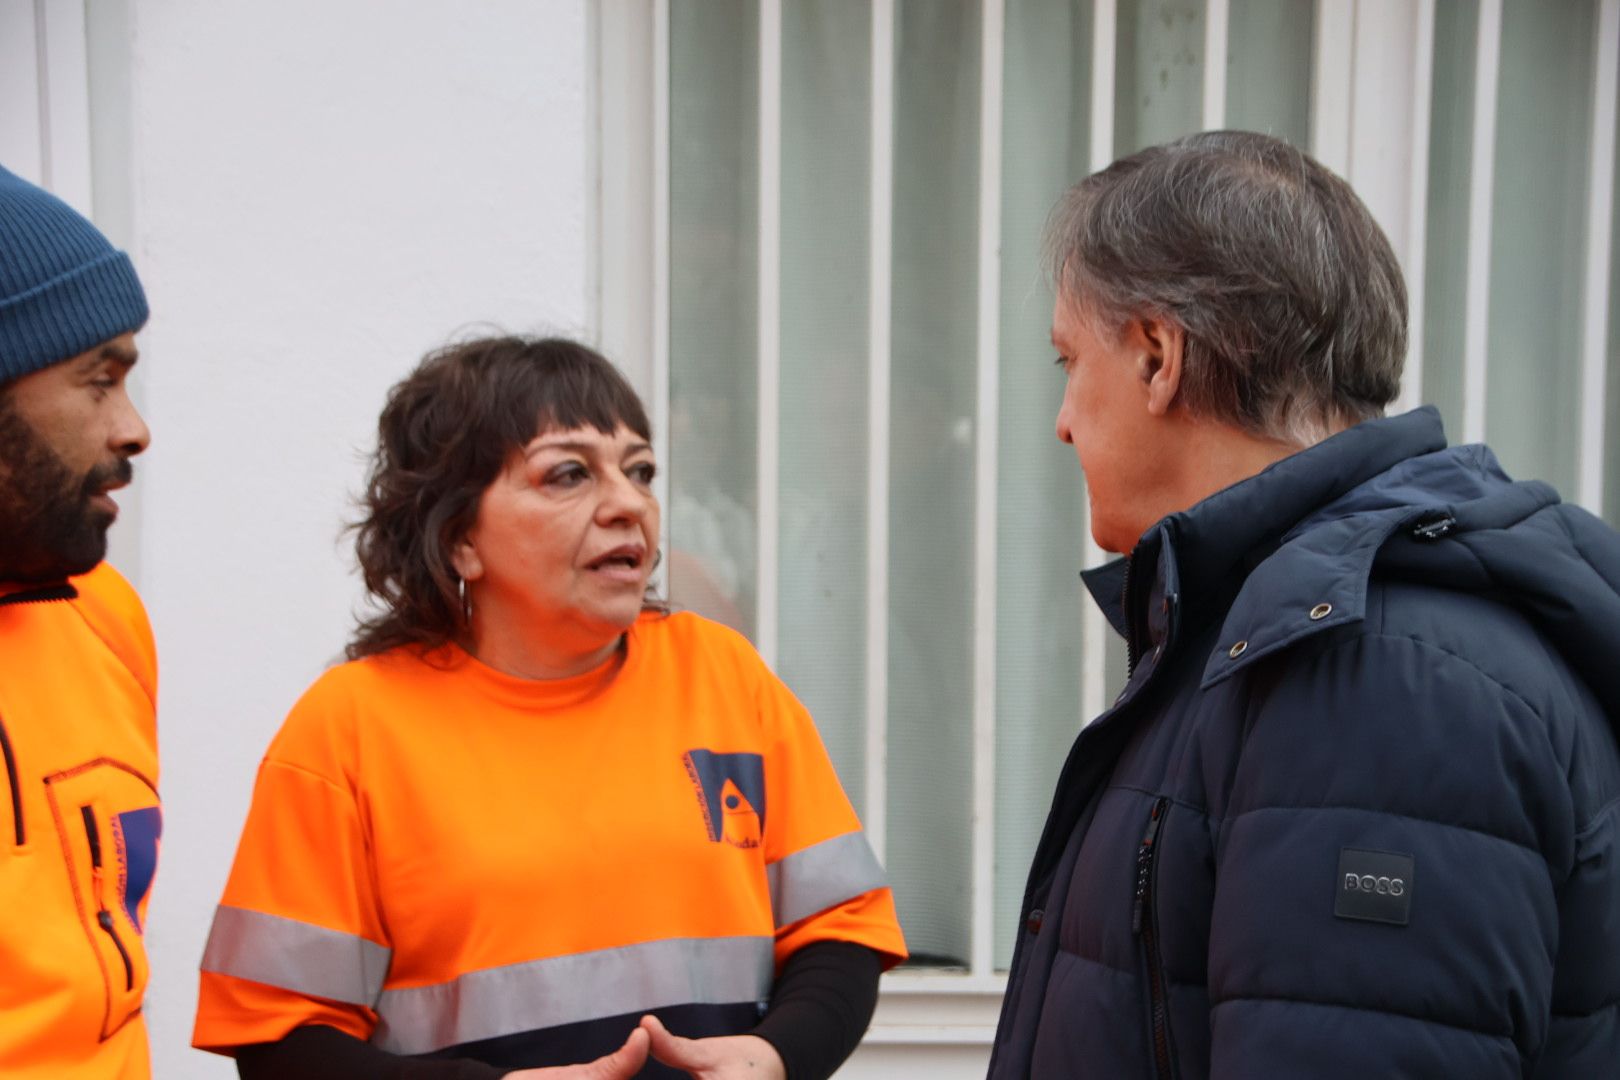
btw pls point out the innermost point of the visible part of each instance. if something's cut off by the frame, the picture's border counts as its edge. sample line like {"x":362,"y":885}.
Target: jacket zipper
{"x":16,"y":789}
{"x":1125,"y":602}
{"x":1142,"y":926}
{"x":104,"y":917}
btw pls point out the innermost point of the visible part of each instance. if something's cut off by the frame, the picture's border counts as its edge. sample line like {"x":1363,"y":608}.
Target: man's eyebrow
{"x":112,"y":352}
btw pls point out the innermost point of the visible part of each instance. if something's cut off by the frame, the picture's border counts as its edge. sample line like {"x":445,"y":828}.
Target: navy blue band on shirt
{"x":820,"y":1006}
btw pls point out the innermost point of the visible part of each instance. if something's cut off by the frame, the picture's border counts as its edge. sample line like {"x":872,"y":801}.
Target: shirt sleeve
{"x":825,"y":881}
{"x":298,"y":938}
{"x":821,"y":1004}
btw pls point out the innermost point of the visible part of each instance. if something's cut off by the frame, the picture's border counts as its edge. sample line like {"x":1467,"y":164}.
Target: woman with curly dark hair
{"x":537,"y":825}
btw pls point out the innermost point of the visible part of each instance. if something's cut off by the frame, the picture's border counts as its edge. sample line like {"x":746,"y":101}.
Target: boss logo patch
{"x":1375,"y":886}
{"x":1383,"y":886}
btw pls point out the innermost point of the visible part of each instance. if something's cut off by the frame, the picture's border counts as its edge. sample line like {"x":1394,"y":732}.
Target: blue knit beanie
{"x":63,"y":288}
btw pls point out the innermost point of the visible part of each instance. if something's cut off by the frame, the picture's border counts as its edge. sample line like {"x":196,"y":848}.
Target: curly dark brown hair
{"x":445,"y":434}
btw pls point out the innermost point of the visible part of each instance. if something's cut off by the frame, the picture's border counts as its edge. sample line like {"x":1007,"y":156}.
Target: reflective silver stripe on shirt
{"x":817,"y":877}
{"x":569,"y":989}
{"x":296,"y":956}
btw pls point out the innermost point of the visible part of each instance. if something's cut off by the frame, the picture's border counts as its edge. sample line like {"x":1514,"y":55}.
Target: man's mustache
{"x":104,"y":476}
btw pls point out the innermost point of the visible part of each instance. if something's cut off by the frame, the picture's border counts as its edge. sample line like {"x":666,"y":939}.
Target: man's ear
{"x":1163,"y":346}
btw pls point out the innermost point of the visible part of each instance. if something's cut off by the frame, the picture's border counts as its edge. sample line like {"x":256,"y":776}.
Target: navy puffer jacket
{"x":1357,"y":811}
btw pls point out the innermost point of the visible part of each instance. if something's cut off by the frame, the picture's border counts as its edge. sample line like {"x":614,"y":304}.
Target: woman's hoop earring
{"x":466,"y":605}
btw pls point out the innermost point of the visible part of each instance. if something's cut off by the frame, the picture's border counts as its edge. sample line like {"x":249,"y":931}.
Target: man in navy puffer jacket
{"x":1357,"y":811}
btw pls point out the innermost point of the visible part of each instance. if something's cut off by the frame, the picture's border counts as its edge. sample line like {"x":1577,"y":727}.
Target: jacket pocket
{"x":107,"y":819}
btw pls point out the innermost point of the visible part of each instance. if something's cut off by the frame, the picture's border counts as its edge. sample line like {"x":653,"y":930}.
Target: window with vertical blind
{"x":862,"y":473}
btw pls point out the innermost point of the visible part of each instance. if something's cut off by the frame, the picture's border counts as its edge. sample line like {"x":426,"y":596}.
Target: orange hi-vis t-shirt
{"x":80,"y":822}
{"x":440,"y":858}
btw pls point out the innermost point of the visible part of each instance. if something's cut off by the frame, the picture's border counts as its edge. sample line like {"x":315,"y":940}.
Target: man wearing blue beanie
{"x":79,"y":816}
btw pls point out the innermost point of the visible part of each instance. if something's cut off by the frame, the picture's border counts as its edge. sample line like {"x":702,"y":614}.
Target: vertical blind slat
{"x":1045,"y":146}
{"x":1093,"y":628}
{"x":932,"y":461}
{"x":1476,"y":330}
{"x":1217,"y":21}
{"x":660,"y":266}
{"x":1104,"y":42}
{"x":1599,"y":216}
{"x":1417,"y":231}
{"x":1332,"y":66}
{"x":769,"y":446}
{"x":821,"y":649}
{"x":877,"y":489}
{"x":985,"y":519}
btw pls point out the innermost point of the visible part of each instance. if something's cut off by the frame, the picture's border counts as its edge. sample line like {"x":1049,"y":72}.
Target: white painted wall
{"x":316,"y":194}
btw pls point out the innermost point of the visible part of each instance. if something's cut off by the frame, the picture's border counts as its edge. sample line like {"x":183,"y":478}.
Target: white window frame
{"x":1370,"y":120}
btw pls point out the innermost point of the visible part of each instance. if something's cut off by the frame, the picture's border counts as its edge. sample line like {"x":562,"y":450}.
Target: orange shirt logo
{"x":731,"y":795}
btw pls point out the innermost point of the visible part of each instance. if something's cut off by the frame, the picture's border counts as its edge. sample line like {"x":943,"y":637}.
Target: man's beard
{"x":49,"y":529}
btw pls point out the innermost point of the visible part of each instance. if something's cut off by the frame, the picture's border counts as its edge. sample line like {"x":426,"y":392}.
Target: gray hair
{"x":1288,"y":292}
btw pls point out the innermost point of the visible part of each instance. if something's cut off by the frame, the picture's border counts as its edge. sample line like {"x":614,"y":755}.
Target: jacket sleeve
{"x":825,"y":881}
{"x":298,"y":937}
{"x":1386,"y":870}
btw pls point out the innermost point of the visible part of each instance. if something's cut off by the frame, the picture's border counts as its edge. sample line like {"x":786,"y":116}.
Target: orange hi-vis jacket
{"x":80,"y":823}
{"x":440,"y":858}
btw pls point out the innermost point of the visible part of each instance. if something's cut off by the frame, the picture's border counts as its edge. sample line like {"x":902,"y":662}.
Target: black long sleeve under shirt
{"x":820,"y":1006}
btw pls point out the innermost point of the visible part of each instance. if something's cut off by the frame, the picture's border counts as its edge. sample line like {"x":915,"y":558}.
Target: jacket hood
{"x":1303,"y":538}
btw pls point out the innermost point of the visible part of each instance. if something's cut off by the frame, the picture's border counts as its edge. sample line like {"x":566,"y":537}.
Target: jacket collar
{"x":1250,"y":519}
{"x":1298,"y":575}
{"x":33,"y":593}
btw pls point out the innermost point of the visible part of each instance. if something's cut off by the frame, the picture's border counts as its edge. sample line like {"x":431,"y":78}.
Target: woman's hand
{"x":724,"y":1057}
{"x":622,"y":1064}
